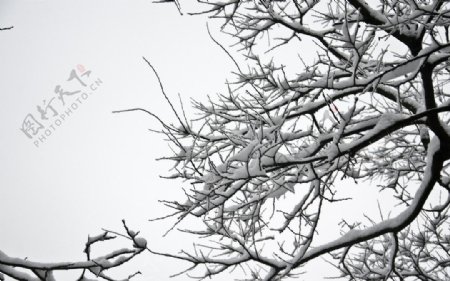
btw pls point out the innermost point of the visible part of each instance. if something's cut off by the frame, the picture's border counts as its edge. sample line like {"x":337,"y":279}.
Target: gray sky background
{"x":97,"y":167}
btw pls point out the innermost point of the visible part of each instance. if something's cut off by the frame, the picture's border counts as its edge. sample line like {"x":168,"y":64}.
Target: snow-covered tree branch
{"x":28,"y":270}
{"x":363,"y":96}
{"x":267,"y":158}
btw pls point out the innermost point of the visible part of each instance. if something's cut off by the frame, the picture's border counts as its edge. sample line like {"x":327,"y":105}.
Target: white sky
{"x":97,"y":167}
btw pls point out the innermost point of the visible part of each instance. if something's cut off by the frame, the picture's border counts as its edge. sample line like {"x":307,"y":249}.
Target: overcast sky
{"x":95,"y":168}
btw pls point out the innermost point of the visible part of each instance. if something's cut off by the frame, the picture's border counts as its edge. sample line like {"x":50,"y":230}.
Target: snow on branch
{"x":266,"y":159}
{"x":28,"y":270}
